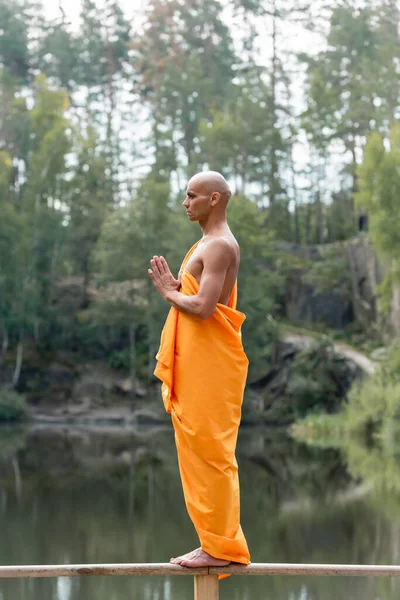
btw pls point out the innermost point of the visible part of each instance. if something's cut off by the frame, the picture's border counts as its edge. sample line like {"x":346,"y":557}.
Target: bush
{"x":318,"y":380}
{"x":12,"y":406}
{"x":119,"y":359}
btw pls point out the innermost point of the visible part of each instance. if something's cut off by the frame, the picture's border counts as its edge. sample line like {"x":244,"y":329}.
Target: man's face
{"x":197,"y":202}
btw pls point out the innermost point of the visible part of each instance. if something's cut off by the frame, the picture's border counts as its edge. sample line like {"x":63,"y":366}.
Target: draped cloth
{"x":203,"y":369}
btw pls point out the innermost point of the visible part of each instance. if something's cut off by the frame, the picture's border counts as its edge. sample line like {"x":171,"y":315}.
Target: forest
{"x":103,"y":122}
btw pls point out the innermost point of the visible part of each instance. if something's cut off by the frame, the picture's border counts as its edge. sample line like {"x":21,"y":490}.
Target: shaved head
{"x":207,"y":194}
{"x":210,"y":182}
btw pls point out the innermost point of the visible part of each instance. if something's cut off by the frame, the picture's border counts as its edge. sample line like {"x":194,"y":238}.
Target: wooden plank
{"x":206,"y":587}
{"x":329,"y":570}
{"x":106,"y":569}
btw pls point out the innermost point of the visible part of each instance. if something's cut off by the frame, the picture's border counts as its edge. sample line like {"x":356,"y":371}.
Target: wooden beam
{"x":106,"y":569}
{"x":206,"y":587}
{"x":329,"y":570}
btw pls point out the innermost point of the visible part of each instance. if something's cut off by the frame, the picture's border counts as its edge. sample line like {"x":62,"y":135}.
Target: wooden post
{"x":206,"y":587}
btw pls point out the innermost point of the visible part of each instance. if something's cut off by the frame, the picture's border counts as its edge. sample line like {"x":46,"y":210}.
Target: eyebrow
{"x":191,"y":192}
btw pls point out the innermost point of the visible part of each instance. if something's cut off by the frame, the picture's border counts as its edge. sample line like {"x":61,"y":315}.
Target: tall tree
{"x":14,"y":52}
{"x":339,"y":87}
{"x":184,"y":62}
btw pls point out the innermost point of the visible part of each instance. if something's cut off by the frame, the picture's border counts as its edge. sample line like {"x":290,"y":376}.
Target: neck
{"x":214,"y":224}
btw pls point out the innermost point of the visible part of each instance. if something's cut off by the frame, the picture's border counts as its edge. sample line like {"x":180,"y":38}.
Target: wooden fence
{"x":205,"y":579}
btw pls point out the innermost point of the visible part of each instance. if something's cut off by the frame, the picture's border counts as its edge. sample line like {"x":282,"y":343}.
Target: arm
{"x":216,"y":261}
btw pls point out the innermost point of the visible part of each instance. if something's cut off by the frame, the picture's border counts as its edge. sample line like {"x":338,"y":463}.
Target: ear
{"x":215,"y":198}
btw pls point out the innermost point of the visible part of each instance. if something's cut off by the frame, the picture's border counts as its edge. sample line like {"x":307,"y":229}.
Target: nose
{"x":185,"y":203}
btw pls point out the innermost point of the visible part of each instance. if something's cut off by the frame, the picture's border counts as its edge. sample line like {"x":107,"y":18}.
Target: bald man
{"x":203,"y":368}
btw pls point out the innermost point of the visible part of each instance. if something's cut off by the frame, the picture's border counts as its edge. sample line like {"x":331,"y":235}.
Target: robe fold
{"x":203,"y":369}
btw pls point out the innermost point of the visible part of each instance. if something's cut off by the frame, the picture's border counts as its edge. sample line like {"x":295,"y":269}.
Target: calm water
{"x":71,"y":495}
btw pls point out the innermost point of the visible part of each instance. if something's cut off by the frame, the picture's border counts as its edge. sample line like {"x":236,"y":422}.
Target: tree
{"x":14,"y":53}
{"x":184,"y":63}
{"x":339,"y":87}
{"x":379,"y":181}
{"x":87,"y":201}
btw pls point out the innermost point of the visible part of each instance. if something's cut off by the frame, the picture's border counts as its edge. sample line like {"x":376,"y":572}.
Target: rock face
{"x":303,"y":305}
{"x":65,"y":382}
{"x":346,"y":293}
{"x":304,"y":376}
{"x":366,"y":274}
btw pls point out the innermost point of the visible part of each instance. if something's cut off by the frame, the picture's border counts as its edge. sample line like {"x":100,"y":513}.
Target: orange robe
{"x":203,"y":368}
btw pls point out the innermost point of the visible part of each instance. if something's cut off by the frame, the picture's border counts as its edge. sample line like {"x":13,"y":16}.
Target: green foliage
{"x":119,"y":359}
{"x":318,"y":380}
{"x":12,"y":406}
{"x":337,"y":109}
{"x":331,"y":273}
{"x":14,"y":53}
{"x":391,"y":366}
{"x":379,"y":181}
{"x":373,"y":405}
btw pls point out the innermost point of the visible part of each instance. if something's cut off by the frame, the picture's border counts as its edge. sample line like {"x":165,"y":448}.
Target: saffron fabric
{"x":203,"y":369}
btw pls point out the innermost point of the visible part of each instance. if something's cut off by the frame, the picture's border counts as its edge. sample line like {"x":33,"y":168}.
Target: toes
{"x":185,"y":563}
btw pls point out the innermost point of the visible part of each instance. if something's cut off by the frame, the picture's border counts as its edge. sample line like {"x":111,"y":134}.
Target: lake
{"x":71,"y":494}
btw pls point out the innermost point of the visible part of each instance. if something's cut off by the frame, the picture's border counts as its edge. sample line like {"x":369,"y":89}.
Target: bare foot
{"x":187,"y":556}
{"x":199,"y":558}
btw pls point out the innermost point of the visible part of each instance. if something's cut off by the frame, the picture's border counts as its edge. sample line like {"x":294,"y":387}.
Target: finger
{"x":150,"y":272}
{"x":164,"y":264}
{"x":161,"y":266}
{"x":154,"y":265}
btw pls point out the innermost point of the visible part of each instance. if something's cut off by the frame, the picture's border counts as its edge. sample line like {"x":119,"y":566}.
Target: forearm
{"x":191,"y":305}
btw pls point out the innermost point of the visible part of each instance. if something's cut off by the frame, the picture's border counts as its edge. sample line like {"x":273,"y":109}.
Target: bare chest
{"x":195,"y":265}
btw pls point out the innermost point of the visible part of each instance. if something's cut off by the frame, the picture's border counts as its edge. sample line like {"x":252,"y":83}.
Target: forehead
{"x":196,"y":186}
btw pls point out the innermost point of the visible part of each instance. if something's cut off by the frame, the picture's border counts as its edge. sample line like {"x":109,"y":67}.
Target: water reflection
{"x":63,"y":588}
{"x":71,"y":495}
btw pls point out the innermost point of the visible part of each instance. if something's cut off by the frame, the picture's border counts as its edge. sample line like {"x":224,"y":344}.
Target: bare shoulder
{"x":223,"y":247}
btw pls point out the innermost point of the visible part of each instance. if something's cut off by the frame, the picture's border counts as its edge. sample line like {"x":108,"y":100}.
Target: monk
{"x":203,"y":369}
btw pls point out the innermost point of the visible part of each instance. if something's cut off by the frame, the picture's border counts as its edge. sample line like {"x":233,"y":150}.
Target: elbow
{"x":204,"y":316}
{"x":202,"y":309}
{"x":205,"y":313}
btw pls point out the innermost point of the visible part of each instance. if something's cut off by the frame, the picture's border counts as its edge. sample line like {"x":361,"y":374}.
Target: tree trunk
{"x":396,"y":308}
{"x":308,"y":224}
{"x":19,"y":359}
{"x":320,"y":218}
{"x":273,"y":106}
{"x":295,"y":199}
{"x":111,"y":108}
